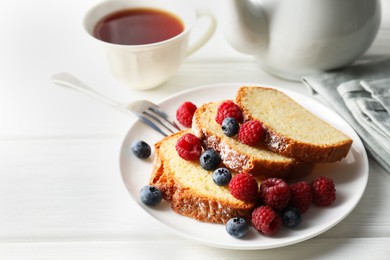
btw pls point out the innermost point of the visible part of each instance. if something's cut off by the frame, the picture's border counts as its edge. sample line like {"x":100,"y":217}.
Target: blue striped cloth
{"x":361,"y":95}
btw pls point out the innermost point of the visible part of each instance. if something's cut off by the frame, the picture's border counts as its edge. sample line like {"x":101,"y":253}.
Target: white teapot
{"x":293,"y":38}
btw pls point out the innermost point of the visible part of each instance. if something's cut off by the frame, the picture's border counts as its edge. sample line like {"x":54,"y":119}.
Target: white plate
{"x":350,"y":176}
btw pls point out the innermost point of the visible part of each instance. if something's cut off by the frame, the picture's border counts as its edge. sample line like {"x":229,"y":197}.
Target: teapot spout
{"x":244,"y":25}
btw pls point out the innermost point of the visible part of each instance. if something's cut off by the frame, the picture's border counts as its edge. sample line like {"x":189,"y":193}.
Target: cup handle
{"x":206,"y":34}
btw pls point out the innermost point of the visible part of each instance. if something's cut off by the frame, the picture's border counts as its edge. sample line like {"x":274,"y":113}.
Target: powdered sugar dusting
{"x":231,"y":158}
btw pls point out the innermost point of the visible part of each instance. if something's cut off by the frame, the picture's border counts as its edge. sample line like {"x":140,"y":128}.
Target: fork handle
{"x":67,"y":80}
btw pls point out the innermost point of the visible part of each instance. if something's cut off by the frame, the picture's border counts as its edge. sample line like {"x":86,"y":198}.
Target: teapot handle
{"x":207,"y":33}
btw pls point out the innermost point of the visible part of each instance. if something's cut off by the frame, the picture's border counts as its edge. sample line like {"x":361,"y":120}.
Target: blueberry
{"x":141,"y":149}
{"x":230,"y":126}
{"x":209,"y":160}
{"x":222,"y":176}
{"x":291,"y":217}
{"x":150,"y":195}
{"x":237,"y":227}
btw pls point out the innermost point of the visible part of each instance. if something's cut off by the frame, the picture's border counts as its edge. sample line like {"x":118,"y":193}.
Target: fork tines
{"x":153,"y":116}
{"x":165,"y":124}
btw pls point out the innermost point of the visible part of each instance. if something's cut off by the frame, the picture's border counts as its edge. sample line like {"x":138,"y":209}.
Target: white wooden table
{"x":61,"y":193}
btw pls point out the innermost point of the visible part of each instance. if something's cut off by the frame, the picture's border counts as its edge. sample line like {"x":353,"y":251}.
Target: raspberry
{"x":189,"y":147}
{"x":323,"y":190}
{"x":228,"y":109}
{"x":243,"y":186}
{"x":185,"y":112}
{"x":251,"y":132}
{"x":266,"y":220}
{"x":301,"y":196}
{"x":275,"y":193}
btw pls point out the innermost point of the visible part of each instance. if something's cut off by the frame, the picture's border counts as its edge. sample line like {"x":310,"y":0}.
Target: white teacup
{"x":146,"y":66}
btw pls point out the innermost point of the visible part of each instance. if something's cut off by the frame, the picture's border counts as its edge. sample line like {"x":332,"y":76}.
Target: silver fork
{"x":148,"y":112}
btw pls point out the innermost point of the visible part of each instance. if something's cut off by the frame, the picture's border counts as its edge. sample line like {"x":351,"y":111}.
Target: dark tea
{"x":138,"y":26}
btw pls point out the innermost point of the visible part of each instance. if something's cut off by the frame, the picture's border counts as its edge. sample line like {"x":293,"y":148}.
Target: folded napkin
{"x":361,"y":95}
